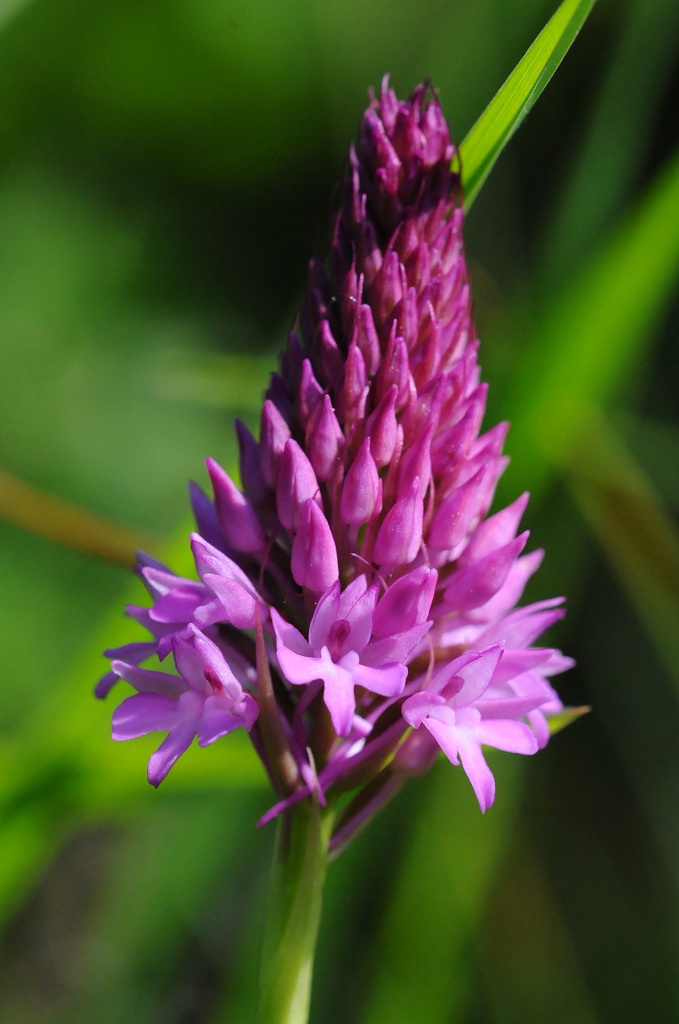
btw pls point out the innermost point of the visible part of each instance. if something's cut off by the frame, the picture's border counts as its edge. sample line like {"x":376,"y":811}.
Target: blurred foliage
{"x":166,"y":169}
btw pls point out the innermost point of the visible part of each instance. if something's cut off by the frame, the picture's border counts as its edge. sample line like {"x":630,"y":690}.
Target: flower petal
{"x":219,"y":665}
{"x":406,"y":603}
{"x":190,"y":665}
{"x":169,"y":752}
{"x":474,"y":584}
{"x":219,"y":719}
{"x":288,"y":636}
{"x":300,"y":669}
{"x":338,"y":695}
{"x":324,"y":616}
{"x":147,"y":681}
{"x":388,"y":680}
{"x":360,"y":619}
{"x":144,"y":713}
{"x":514,"y":737}
{"x":179,"y":604}
{"x":477,"y":674}
{"x":416,"y":708}
{"x":236,"y":604}
{"x":394,"y":648}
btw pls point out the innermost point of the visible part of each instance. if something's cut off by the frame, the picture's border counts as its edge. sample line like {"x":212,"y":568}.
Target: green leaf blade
{"x":510,"y":105}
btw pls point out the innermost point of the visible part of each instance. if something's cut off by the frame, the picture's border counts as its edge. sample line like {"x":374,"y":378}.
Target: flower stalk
{"x":294,"y":913}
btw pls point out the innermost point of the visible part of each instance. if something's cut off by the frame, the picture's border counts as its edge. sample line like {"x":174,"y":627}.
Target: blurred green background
{"x":166,"y":171}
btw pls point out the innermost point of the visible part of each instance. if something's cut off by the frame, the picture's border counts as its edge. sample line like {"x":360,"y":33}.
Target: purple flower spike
{"x":361,"y":555}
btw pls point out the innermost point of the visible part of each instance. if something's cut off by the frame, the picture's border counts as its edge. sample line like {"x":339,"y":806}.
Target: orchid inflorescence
{"x":355,"y":605}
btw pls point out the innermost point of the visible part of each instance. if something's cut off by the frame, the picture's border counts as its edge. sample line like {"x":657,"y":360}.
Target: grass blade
{"x":503,"y":115}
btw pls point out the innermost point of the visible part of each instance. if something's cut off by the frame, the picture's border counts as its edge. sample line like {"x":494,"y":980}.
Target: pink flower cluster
{"x":355,"y":595}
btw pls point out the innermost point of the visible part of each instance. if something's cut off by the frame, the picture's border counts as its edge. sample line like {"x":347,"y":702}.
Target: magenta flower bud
{"x":314,"y":553}
{"x":395,"y":369}
{"x":291,"y":364}
{"x":296,"y":483}
{"x":478,"y":581}
{"x":400,"y":536}
{"x":380,"y":151}
{"x":205,"y":516}
{"x":310,"y":392}
{"x":424,"y":410}
{"x":418,"y":263}
{"x":455,"y":514}
{"x":355,"y":378}
{"x":406,"y":602}
{"x":456,"y":442}
{"x":407,"y":318}
{"x":351,"y":291}
{"x":496,"y":531}
{"x":236,"y":517}
{"x":361,"y":488}
{"x":254,"y":484}
{"x":388,"y":288}
{"x":365,"y":336}
{"x":367,"y":247}
{"x":382,"y":428}
{"x":325,"y":440}
{"x":416,"y":463}
{"x":331,"y":360}
{"x":274,"y":435}
{"x":278,"y":396}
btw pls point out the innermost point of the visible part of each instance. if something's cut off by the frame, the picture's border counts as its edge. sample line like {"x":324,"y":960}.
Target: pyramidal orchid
{"x":355,"y":604}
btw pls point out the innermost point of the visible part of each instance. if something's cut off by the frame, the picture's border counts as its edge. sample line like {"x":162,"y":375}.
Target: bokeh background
{"x":166,"y":171}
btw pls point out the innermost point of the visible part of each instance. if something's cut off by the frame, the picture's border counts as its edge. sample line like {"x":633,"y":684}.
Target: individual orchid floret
{"x":205,"y":700}
{"x":339,"y":651}
{"x":449,"y":709}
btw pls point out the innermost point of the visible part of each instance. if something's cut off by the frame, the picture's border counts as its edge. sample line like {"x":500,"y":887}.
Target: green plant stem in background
{"x":294,"y":913}
{"x":65,"y":523}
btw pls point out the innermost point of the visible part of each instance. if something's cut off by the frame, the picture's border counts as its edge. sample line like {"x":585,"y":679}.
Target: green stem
{"x":294,"y":914}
